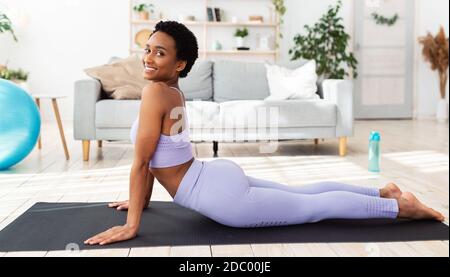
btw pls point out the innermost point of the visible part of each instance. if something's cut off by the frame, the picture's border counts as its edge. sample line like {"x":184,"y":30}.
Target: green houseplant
{"x":326,"y":42}
{"x":240,"y":34}
{"x":18,"y":76}
{"x":13,"y":75}
{"x":144,"y":9}
{"x":6,"y":25}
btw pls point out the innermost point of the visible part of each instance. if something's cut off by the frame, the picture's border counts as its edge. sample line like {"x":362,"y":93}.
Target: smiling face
{"x":160,"y":59}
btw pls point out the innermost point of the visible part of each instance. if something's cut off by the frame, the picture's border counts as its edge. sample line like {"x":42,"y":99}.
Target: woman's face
{"x":160,"y":60}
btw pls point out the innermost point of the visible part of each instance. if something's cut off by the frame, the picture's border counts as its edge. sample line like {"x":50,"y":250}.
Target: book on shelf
{"x":217,"y":14}
{"x":210,"y":14}
{"x":214,"y":14}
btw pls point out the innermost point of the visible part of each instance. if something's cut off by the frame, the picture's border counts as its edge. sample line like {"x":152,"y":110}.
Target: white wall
{"x":62,"y":37}
{"x":430,"y":14}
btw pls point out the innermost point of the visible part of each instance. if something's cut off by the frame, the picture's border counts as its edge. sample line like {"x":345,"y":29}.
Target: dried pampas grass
{"x":435,"y":51}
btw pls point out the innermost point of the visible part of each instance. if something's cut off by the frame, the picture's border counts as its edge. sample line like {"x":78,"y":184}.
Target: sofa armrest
{"x":340,"y":92}
{"x":87,"y":93}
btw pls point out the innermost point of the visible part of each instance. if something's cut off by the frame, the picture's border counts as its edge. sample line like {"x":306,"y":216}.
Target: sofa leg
{"x":86,"y":144}
{"x":215,"y":147}
{"x":342,"y":146}
{"x":100,"y":143}
{"x":316,"y":141}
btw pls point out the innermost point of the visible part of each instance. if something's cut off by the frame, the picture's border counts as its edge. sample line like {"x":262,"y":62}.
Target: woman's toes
{"x":437,"y":215}
{"x":412,"y":208}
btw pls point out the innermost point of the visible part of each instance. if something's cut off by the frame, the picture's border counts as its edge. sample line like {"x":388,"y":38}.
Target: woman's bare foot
{"x":410,"y":207}
{"x":392,"y":191}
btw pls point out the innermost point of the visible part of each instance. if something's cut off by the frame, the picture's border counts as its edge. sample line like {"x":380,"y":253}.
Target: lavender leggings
{"x":220,"y":190}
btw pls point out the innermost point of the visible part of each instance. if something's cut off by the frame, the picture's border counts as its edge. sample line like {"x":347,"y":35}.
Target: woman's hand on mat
{"x":123,"y":205}
{"x":115,"y":234}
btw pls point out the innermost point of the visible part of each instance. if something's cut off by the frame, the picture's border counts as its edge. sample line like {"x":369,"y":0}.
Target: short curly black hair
{"x":185,"y":42}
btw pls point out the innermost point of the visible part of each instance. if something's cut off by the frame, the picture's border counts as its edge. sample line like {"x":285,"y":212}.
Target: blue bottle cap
{"x":374,"y":135}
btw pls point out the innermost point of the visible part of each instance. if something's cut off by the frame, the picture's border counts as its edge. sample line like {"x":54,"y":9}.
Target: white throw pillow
{"x":285,"y":83}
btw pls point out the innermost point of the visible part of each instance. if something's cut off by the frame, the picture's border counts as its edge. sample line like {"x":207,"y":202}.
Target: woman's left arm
{"x":149,"y":132}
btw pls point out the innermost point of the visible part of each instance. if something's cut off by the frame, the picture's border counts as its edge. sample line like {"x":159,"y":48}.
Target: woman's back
{"x":171,"y":160}
{"x":172,"y":150}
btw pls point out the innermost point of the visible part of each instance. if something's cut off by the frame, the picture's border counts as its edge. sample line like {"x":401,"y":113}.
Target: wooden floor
{"x":414,"y":155}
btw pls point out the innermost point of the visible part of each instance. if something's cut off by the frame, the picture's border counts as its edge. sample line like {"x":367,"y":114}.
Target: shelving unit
{"x":207,"y":26}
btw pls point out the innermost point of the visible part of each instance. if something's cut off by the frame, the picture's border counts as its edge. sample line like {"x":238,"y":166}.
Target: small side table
{"x":54,"y":98}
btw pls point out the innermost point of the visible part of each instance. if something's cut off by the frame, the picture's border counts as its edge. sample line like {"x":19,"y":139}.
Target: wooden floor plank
{"x":241,"y":250}
{"x":163,"y":251}
{"x":190,"y":251}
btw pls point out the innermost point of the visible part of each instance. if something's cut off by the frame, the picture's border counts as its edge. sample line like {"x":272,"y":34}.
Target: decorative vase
{"x":442,"y":111}
{"x":216,"y":45}
{"x":144,"y":15}
{"x":239,"y":42}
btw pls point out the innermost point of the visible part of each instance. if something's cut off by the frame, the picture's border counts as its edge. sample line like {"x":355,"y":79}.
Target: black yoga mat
{"x":59,"y":226}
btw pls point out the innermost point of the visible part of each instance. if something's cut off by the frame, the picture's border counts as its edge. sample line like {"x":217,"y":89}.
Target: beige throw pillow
{"x":122,"y":79}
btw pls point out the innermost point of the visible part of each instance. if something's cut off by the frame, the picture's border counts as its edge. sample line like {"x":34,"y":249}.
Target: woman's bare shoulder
{"x":154,"y":88}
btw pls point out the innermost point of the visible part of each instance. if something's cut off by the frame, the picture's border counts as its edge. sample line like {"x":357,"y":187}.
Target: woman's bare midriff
{"x":170,"y":177}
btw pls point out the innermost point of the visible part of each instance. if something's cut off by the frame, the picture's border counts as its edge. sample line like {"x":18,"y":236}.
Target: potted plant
{"x":144,"y":10}
{"x":6,"y":25}
{"x":18,"y":76}
{"x":435,"y":51}
{"x":326,"y":43}
{"x":240,"y":34}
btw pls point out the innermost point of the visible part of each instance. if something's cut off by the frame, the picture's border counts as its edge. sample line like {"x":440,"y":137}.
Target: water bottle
{"x":374,"y":152}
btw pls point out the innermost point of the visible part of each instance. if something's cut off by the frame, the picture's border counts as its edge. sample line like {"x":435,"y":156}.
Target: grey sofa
{"x":225,"y":103}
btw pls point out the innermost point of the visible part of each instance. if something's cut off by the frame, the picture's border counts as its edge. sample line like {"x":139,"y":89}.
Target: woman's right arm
{"x":148,"y":134}
{"x":149,"y":131}
{"x":123,"y":205}
{"x":150,"y":181}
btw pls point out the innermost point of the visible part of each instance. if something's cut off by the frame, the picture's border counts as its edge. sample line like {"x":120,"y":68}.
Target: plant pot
{"x":144,"y":15}
{"x":442,"y":111}
{"x":239,"y":42}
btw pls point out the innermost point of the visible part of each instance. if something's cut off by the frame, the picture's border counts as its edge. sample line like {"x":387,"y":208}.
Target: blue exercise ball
{"x":20,"y":124}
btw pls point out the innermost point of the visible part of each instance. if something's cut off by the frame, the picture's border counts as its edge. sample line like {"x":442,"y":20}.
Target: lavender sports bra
{"x":171,"y":150}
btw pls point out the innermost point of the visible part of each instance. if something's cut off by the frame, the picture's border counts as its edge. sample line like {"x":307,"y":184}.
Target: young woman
{"x":219,"y":189}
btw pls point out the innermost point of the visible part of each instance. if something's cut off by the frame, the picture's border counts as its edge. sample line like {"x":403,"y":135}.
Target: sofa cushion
{"x":235,"y":80}
{"x":121,"y":114}
{"x":115,"y":113}
{"x":291,"y":113}
{"x":198,"y":84}
{"x":299,"y":83}
{"x":121,"y":79}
